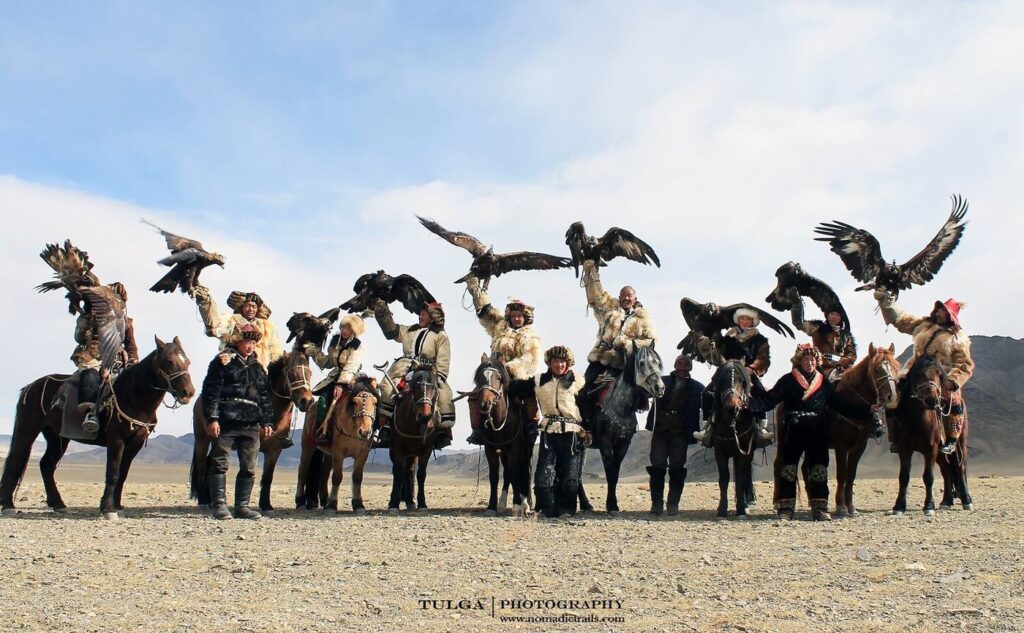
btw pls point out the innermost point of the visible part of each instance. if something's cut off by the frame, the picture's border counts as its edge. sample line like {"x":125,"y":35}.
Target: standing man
{"x":236,"y":403}
{"x":674,"y":419}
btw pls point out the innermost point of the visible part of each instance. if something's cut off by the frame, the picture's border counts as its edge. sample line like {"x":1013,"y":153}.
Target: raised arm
{"x":217,"y":325}
{"x":488,"y":315}
{"x":894,"y":316}
{"x":597,"y":297}
{"x":382,"y":314}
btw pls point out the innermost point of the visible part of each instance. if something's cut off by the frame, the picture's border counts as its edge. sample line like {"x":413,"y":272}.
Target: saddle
{"x":71,"y":417}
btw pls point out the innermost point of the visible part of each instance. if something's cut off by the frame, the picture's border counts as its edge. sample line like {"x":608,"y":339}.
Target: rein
{"x":362,"y":413}
{"x":295,"y":384}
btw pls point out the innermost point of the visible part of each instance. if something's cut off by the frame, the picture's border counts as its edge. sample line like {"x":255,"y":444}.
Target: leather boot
{"x":243,"y":493}
{"x":383,"y":431}
{"x":546,"y":502}
{"x":443,"y":439}
{"x":676,"y":480}
{"x":657,"y":489}
{"x":819,"y":511}
{"x":218,"y":497}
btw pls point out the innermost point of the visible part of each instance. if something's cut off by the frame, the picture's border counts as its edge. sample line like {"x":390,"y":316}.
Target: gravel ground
{"x":166,"y":567}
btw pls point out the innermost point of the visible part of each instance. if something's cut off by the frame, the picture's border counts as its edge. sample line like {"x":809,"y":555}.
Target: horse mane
{"x":362,"y":384}
{"x":492,"y":363}
{"x":277,"y":366}
{"x":744,"y":376}
{"x":923,"y":364}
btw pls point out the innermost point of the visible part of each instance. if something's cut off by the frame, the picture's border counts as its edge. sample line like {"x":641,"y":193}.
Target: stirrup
{"x":90,"y":424}
{"x":949,"y":447}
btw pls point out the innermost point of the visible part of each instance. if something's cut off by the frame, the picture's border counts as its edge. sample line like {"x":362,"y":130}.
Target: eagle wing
{"x":859,"y":250}
{"x":72,"y":270}
{"x":175,"y":243}
{"x":364,"y":296}
{"x":576,"y":240}
{"x":728,"y":313}
{"x":618,"y":242}
{"x":107,"y":310}
{"x":462,"y":240}
{"x":703,"y":320}
{"x":308,"y":328}
{"x":921,"y":268}
{"x":810,"y":286}
{"x":526,"y":260}
{"x":410,"y":292}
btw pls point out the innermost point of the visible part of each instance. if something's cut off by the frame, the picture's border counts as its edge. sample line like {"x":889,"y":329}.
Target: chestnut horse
{"x":351,"y":421}
{"x":413,"y":430}
{"x":290,"y":385}
{"x":126,"y":419}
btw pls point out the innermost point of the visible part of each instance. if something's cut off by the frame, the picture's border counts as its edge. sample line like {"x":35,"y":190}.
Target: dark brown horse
{"x":919,"y":429}
{"x":126,"y":419}
{"x":413,"y":431}
{"x":506,"y":442}
{"x":289,"y":386}
{"x":732,"y":431}
{"x":351,"y":422}
{"x":872,"y":380}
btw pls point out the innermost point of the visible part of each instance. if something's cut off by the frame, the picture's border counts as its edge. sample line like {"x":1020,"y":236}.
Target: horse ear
{"x":484,"y":358}
{"x":373,"y":383}
{"x":159,"y":344}
{"x":871,"y":349}
{"x":892,"y":348}
{"x":177,"y":341}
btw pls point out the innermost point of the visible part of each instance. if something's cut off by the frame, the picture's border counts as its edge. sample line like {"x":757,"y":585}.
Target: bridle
{"x":303,"y":381}
{"x":169,"y":378}
{"x":499,"y":393}
{"x":364,"y":411}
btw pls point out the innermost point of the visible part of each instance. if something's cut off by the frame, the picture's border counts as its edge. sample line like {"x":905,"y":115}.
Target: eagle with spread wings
{"x":304,"y":327}
{"x":72,"y":271}
{"x":709,"y":319}
{"x":614,"y":243}
{"x":486,"y":263}
{"x":187,"y":259}
{"x":380,"y":285}
{"x":790,"y":276}
{"x":862,"y":254}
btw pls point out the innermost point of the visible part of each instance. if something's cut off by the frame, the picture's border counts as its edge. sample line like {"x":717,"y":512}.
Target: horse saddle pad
{"x":72,"y":418}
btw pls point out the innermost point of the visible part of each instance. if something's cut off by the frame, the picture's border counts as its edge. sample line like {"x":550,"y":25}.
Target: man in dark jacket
{"x":674,"y":419}
{"x":236,"y":402}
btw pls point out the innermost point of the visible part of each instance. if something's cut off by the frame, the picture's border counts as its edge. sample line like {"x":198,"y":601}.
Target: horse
{"x":127,"y":417}
{"x":290,"y":386}
{"x":732,"y":430}
{"x":616,"y":419}
{"x":351,"y":421}
{"x":920,"y":429}
{"x":872,"y":380}
{"x":507,"y":443}
{"x":414,"y":428}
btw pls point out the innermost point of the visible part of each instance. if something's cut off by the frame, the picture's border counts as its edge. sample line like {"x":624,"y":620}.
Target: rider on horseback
{"x":513,"y":341}
{"x":426,"y":342}
{"x":743,"y":343}
{"x":831,"y":337}
{"x":249,"y":310}
{"x":623,"y":324}
{"x":344,"y":358}
{"x":87,"y":358}
{"x":939,"y":335}
{"x":564,"y":434}
{"x":805,"y":394}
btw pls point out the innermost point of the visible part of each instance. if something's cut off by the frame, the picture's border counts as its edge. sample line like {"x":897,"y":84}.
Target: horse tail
{"x":193,"y":487}
{"x":17,"y":459}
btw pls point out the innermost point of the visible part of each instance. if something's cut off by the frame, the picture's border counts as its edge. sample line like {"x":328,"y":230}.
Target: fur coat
{"x":518,"y":348}
{"x":228,"y":329}
{"x":618,"y":333}
{"x":952,"y":348}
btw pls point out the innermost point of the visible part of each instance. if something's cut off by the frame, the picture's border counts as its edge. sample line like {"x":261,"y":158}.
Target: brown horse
{"x":290,"y":385}
{"x":126,"y":419}
{"x":872,"y":380}
{"x":351,"y":420}
{"x":733,"y":434}
{"x":412,"y":439}
{"x":919,"y":428}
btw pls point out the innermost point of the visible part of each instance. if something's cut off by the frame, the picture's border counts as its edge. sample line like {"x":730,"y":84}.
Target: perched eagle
{"x":304,"y":328}
{"x":792,"y":275}
{"x":862,"y":255}
{"x":486,"y":263}
{"x":616,"y":242}
{"x":187,"y":259}
{"x":73,"y":271}
{"x":709,"y":319}
{"x":380,"y":285}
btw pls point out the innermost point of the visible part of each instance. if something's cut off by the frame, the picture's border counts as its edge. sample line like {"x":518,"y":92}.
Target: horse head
{"x":646,"y":372}
{"x":489,"y":382}
{"x":423,"y":384}
{"x":733,"y":387}
{"x":925,"y":381}
{"x":361,"y":408}
{"x":171,"y":365}
{"x":295,"y":380}
{"x":884,"y":368}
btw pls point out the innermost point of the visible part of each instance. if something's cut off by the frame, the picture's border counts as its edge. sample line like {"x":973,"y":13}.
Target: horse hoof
{"x":330,"y":511}
{"x":203,"y":507}
{"x":742,"y":517}
{"x":894,"y":513}
{"x":613,"y":513}
{"x":840,"y":514}
{"x":929,"y":512}
{"x":394,"y":511}
{"x":968,"y":506}
{"x":269,"y":512}
{"x":358,"y":511}
{"x":110,"y":516}
{"x":852,"y":512}
{"x":59,"y":510}
{"x":490,"y":513}
{"x":120,"y":514}
{"x":9,"y":512}
{"x":422,"y":509}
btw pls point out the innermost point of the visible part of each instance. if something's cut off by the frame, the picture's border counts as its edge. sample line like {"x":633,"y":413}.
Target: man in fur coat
{"x":344,"y":358}
{"x":248,"y":309}
{"x":939,"y":334}
{"x":425,"y":341}
{"x":623,"y":324}
{"x":513,"y":341}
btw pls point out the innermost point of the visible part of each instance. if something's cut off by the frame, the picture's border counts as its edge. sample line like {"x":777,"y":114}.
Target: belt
{"x":559,"y":424}
{"x":242,"y":400}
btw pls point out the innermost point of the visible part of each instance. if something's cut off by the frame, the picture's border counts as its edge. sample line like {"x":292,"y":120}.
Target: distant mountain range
{"x":994,"y":399}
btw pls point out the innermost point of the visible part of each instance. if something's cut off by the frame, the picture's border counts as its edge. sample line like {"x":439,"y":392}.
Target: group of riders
{"x":560,"y":404}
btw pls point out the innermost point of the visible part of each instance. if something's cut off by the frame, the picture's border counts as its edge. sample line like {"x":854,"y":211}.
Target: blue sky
{"x":300,"y":141}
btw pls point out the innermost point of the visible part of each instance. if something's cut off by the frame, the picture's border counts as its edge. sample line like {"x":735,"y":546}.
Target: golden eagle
{"x":709,"y":319}
{"x":614,"y":243}
{"x":792,"y":276}
{"x":73,"y":271}
{"x":304,"y":328}
{"x":862,"y":255}
{"x":187,"y":259}
{"x":380,"y":285}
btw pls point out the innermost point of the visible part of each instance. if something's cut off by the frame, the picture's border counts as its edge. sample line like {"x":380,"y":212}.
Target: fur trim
{"x":805,"y":349}
{"x":355,"y":322}
{"x":517,"y":305}
{"x":753,"y":314}
{"x":560,"y":351}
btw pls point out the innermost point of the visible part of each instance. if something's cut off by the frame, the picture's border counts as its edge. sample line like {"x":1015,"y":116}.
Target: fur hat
{"x":749,"y":312}
{"x":804,"y":349}
{"x":355,"y":323}
{"x":436,"y":312}
{"x":952,"y":308}
{"x":560,"y":351}
{"x":517,"y":305}
{"x":249,"y":333}
{"x":237,"y":299}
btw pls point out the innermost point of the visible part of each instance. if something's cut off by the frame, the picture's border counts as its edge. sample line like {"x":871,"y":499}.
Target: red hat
{"x":952,"y":308}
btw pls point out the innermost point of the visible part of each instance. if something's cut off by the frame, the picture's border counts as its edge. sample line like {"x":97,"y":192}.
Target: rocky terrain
{"x":165,"y":567}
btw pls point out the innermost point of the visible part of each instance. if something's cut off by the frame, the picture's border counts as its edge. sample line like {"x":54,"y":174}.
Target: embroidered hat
{"x":805,"y":349}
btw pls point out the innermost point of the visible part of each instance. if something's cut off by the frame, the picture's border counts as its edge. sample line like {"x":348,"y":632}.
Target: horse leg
{"x":928,"y":477}
{"x":55,"y":448}
{"x":270,"y":456}
{"x":337,"y":474}
{"x":842,"y":464}
{"x":115,"y":450}
{"x":24,"y":434}
{"x":743,"y":467}
{"x":398,"y":472}
{"x":959,"y":469}
{"x":852,"y":462}
{"x":409,"y":491}
{"x":492,"y":477}
{"x":324,"y":476}
{"x":904,"y":480}
{"x":949,"y":489}
{"x":305,"y":457}
{"x":357,"y":481}
{"x":200,"y":488}
{"x":611,"y":476}
{"x":130,"y":451}
{"x":723,"y":483}
{"x":506,"y":481}
{"x":421,"y":477}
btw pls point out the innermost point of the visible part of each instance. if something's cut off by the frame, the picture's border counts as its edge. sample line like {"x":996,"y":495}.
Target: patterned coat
{"x":343,"y":358}
{"x":518,"y":348}
{"x":618,"y":333}
{"x":556,"y":398}
{"x":228,"y":327}
{"x":951,"y":348}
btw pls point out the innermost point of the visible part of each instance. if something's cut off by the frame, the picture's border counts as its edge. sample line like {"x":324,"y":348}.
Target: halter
{"x":362,"y":413}
{"x":499,"y":394}
{"x":743,"y":396}
{"x":169,"y":379}
{"x":304,"y":382}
